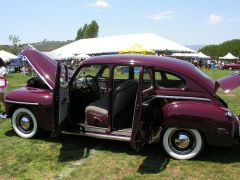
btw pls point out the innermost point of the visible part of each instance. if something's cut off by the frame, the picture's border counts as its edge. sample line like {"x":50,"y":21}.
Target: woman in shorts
{"x":3,"y":85}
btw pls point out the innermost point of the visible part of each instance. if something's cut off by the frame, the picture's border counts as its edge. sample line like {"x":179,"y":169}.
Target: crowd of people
{"x":208,"y":64}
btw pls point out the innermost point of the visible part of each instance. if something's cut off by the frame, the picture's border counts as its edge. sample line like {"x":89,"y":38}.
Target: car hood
{"x":43,"y":65}
{"x":228,"y":83}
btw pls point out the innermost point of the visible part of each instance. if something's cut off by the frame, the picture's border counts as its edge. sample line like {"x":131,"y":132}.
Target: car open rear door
{"x":60,"y":98}
{"x":142,"y":129}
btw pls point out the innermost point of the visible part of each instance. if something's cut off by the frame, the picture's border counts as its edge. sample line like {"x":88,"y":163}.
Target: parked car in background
{"x":232,"y":66}
{"x":214,"y":64}
{"x":140,"y":99}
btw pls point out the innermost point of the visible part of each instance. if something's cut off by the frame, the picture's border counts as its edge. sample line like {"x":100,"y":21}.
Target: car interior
{"x":91,"y":102}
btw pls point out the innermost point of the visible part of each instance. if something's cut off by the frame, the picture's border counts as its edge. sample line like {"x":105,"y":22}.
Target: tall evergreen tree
{"x":88,"y":31}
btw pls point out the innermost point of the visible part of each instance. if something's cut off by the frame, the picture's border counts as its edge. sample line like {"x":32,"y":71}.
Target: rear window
{"x":201,"y":73}
{"x":168,"y":80}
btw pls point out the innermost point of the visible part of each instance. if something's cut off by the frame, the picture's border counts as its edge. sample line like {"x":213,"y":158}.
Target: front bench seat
{"x":124,"y":99}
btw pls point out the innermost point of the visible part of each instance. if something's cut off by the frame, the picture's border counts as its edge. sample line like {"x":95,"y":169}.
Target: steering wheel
{"x":92,"y":83}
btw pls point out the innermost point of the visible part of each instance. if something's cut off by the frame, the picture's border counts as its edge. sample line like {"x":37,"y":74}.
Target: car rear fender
{"x":207,"y":117}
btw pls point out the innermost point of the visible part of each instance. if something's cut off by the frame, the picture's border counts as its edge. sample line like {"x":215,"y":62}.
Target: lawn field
{"x":76,"y":157}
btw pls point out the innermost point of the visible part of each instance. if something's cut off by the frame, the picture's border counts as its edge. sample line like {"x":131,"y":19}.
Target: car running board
{"x":100,"y":132}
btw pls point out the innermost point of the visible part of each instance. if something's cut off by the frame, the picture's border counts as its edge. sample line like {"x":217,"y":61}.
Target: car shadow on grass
{"x":224,"y":155}
{"x":75,"y":148}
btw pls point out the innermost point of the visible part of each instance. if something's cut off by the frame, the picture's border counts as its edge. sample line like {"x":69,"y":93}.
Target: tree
{"x":15,"y":41}
{"x":92,"y":29}
{"x":81,"y":32}
{"x":222,"y":49}
{"x":88,"y":31}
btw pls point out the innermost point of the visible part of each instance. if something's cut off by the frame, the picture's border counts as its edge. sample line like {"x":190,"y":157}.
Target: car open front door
{"x":143,"y":122}
{"x":60,"y":98}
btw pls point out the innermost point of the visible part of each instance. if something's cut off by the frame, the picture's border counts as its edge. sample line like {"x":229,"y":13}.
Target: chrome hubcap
{"x":24,"y":123}
{"x":182,"y":141}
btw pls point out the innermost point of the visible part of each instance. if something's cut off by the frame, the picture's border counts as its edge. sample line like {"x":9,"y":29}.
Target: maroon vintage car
{"x":232,"y":66}
{"x":140,"y":99}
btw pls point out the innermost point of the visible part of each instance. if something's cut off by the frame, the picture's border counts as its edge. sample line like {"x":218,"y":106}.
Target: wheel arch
{"x":14,"y":107}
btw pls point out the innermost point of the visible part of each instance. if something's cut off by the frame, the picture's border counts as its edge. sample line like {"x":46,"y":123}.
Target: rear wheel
{"x":182,"y":143}
{"x":230,"y":68}
{"x":24,"y":123}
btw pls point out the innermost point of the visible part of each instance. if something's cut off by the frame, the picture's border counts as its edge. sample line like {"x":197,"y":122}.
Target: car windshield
{"x":89,"y":70}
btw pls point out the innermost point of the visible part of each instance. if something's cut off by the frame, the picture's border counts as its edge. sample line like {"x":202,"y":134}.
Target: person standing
{"x":3,"y":85}
{"x":208,"y":64}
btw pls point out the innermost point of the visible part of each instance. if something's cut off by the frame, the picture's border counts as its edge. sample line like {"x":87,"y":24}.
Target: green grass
{"x":76,"y":157}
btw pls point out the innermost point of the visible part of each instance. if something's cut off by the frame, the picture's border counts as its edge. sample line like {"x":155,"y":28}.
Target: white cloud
{"x":100,"y":4}
{"x":165,"y":15}
{"x":214,"y":19}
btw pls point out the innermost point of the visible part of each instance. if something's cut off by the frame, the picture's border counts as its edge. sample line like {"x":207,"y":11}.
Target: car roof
{"x":142,"y":60}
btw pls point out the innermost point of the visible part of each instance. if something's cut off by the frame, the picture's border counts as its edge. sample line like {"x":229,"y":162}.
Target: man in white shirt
{"x":208,"y":64}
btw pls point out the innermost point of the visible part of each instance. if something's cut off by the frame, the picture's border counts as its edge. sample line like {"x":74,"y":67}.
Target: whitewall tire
{"x":182,"y":143}
{"x":24,"y":123}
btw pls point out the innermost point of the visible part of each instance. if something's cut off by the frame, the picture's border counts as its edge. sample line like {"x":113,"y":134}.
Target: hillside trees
{"x":215,"y":51}
{"x":88,"y":31}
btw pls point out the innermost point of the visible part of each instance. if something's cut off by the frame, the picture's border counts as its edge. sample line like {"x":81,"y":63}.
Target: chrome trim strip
{"x":25,"y":57}
{"x":123,"y":132}
{"x":177,"y":97}
{"x":238,"y":121}
{"x":105,"y":136}
{"x":184,"y":97}
{"x":21,"y":102}
{"x":100,"y":136}
{"x":92,"y":127}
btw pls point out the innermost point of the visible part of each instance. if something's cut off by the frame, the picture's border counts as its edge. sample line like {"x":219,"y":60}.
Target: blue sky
{"x":188,"y":22}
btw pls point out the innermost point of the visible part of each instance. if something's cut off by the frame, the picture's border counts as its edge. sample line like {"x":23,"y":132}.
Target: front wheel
{"x":24,"y":123}
{"x":182,"y":143}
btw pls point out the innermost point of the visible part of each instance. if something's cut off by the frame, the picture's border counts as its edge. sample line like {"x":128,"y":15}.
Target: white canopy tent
{"x":6,"y":56}
{"x":203,"y":56}
{"x":114,"y":44}
{"x":198,"y":55}
{"x":52,"y":55}
{"x":66,"y":55}
{"x":229,"y":56}
{"x":82,"y":56}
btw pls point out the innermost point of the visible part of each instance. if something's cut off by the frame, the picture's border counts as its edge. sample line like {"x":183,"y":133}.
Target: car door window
{"x":90,"y":70}
{"x":121,"y":72}
{"x":105,"y":73}
{"x":168,"y":80}
{"x":147,"y":78}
